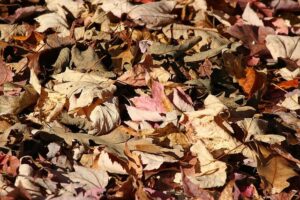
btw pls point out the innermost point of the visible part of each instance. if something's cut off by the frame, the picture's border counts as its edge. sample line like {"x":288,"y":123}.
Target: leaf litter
{"x":149,"y":99}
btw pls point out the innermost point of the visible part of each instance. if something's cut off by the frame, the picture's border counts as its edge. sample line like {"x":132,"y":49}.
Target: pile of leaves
{"x":146,"y":99}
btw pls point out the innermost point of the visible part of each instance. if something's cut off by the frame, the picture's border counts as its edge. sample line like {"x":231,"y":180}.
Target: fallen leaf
{"x":53,"y":21}
{"x":89,"y":178}
{"x":288,"y":84}
{"x":160,"y":48}
{"x":250,"y":16}
{"x":24,"y":12}
{"x":159,"y":102}
{"x":143,"y":14}
{"x":283,"y":46}
{"x":6,"y":74}
{"x":276,"y":172}
{"x":63,"y":7}
{"x":182,"y":101}
{"x":15,"y":104}
{"x":288,"y":74}
{"x":291,"y":100}
{"x":9,"y":164}
{"x":212,"y":172}
{"x":252,"y":36}
{"x":252,"y":82}
{"x":137,"y":114}
{"x":88,"y":60}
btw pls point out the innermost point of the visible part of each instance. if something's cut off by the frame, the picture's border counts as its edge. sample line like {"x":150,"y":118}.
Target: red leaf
{"x":9,"y":164}
{"x":6,"y":75}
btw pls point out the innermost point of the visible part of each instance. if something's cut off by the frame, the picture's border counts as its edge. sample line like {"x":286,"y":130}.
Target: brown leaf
{"x":135,"y":166}
{"x":275,"y":173}
{"x":252,"y":36}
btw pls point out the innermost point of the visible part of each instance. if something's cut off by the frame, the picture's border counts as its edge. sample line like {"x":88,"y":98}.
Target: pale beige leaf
{"x":250,"y":16}
{"x":89,"y":178}
{"x":252,"y":127}
{"x":75,"y":76}
{"x":212,"y":106}
{"x":50,"y":104}
{"x":160,"y":74}
{"x":291,"y":101}
{"x":213,"y":172}
{"x":283,"y":46}
{"x":106,"y":117}
{"x":287,"y":74}
{"x":270,"y":138}
{"x":53,"y":21}
{"x":63,"y":7}
{"x":153,"y":15}
{"x":105,"y":163}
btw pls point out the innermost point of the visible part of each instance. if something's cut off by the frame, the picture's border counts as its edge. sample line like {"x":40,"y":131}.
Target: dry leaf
{"x":153,"y":15}
{"x":250,"y":16}
{"x":276,"y":172}
{"x":212,"y":172}
{"x":283,"y":46}
{"x":159,"y":102}
{"x":252,"y":82}
{"x":6,"y":75}
{"x":53,"y":21}
{"x":89,"y":178}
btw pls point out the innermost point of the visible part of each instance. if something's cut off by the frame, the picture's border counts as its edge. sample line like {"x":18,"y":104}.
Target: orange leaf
{"x":288,"y":84}
{"x":252,"y":82}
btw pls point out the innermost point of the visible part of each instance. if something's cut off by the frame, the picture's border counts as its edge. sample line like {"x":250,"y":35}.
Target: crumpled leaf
{"x":15,"y":104}
{"x":89,"y":178}
{"x":9,"y":164}
{"x":24,"y":12}
{"x":283,"y":46}
{"x":135,"y":165}
{"x":276,"y":172}
{"x":153,"y":15}
{"x":88,"y":60}
{"x":212,"y":172}
{"x":160,"y":48}
{"x":53,"y":21}
{"x":291,"y":100}
{"x":215,"y":133}
{"x":106,"y":117}
{"x":182,"y":101}
{"x":159,"y":102}
{"x":252,"y":36}
{"x":251,"y":17}
{"x":62,"y":60}
{"x":50,"y":104}
{"x":63,"y":7}
{"x":82,"y":89}
{"x":6,"y":75}
{"x":287,"y":74}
